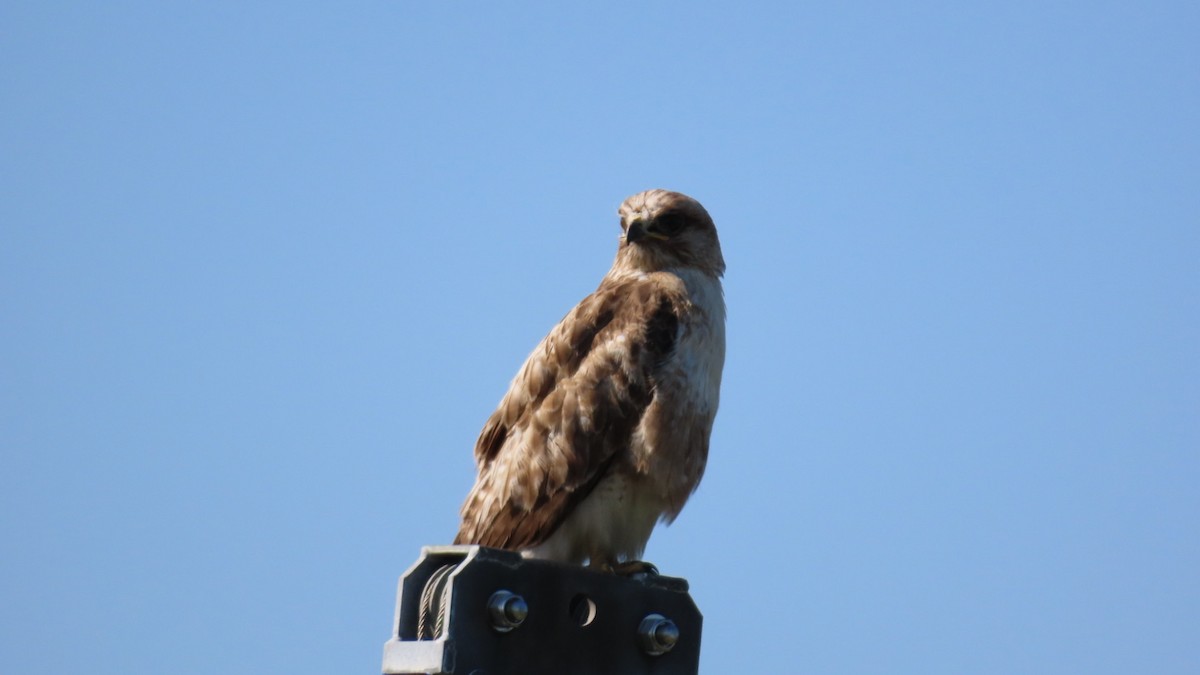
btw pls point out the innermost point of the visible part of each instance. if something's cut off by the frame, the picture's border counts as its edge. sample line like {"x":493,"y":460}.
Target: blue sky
{"x":265,"y":270}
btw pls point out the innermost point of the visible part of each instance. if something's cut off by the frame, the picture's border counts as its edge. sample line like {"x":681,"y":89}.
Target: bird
{"x":604,"y":431}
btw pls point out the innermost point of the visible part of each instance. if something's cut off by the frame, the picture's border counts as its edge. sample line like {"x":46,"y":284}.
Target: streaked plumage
{"x":605,"y":429}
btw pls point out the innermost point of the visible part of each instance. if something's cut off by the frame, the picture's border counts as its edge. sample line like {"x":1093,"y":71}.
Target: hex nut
{"x":657,"y":634}
{"x":507,"y":610}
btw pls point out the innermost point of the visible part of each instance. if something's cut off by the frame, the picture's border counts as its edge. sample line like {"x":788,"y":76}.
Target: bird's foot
{"x":635,"y":569}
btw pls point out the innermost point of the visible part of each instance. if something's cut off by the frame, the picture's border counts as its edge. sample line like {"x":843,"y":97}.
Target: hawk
{"x":605,"y":429}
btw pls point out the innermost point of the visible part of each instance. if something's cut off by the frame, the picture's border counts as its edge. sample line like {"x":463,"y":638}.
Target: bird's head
{"x":663,"y":230}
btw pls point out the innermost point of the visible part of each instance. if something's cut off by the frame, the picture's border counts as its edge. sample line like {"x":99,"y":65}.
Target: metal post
{"x":469,"y":610}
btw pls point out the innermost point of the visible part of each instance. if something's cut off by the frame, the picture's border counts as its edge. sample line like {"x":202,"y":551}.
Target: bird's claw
{"x":635,"y":568}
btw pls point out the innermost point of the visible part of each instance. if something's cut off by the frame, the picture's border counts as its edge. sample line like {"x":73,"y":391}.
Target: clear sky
{"x":266,"y":268}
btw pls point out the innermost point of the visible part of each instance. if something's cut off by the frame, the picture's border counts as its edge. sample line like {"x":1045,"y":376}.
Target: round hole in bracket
{"x":582,"y":609}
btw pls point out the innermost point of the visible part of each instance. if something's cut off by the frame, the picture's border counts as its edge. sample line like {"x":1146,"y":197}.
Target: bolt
{"x":658,"y":634}
{"x":507,"y":609}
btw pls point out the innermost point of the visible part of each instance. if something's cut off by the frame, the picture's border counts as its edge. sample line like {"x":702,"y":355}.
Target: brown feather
{"x":585,"y":388}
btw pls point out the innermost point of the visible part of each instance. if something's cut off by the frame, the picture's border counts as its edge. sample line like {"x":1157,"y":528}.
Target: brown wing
{"x":569,"y":414}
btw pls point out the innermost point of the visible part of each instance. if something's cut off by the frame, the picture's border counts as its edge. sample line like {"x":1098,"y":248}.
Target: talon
{"x":634,"y":568}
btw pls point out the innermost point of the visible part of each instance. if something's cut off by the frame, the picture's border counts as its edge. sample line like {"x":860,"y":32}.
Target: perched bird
{"x":604,"y":431}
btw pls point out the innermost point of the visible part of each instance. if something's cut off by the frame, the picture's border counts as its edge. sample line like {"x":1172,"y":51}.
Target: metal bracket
{"x":469,"y":610}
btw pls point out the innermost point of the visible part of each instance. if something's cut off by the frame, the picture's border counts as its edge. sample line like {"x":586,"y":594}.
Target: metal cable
{"x":435,"y":600}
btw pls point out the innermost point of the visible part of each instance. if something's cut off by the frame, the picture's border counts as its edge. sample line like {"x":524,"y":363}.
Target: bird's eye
{"x":670,"y":223}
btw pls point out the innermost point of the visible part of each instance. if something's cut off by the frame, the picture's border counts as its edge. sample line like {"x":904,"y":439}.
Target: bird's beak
{"x":636,"y":232}
{"x":639,"y":230}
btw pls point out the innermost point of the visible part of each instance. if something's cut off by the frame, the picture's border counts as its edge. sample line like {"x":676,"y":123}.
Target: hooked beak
{"x":636,"y":232}
{"x":640,"y":230}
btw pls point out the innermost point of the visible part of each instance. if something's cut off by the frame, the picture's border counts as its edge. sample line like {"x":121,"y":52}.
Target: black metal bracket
{"x":469,"y":610}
